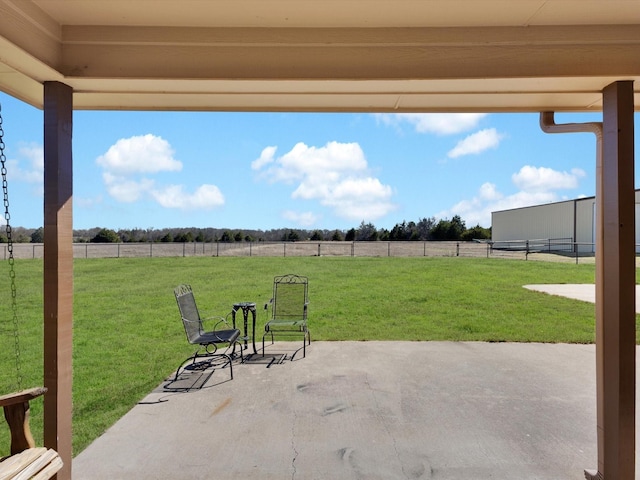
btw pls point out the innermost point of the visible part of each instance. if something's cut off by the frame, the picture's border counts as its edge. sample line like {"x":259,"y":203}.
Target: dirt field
{"x":291,"y":249}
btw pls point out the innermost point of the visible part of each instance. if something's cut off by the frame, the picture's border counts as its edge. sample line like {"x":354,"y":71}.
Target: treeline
{"x":424,"y":229}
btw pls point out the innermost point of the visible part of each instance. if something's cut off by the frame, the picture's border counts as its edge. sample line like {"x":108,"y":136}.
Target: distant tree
{"x":249,"y":238}
{"x":456,"y":228}
{"x":424,"y":227}
{"x":126,"y":235}
{"x":200,"y":237}
{"x":476,"y":233}
{"x":317,"y":235}
{"x":383,"y":234}
{"x":351,"y":235}
{"x":366,"y":232}
{"x":167,"y":238}
{"x":38,"y":235}
{"x":449,"y":229}
{"x":226,"y":237}
{"x":150,"y":234}
{"x":105,"y":235}
{"x":337,"y":236}
{"x":440,"y":230}
{"x":238,"y":236}
{"x":3,"y":238}
{"x":398,"y":232}
{"x":291,"y":236}
{"x":412,"y":231}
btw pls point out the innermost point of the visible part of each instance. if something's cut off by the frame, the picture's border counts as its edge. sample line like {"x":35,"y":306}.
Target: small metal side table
{"x":246,"y":307}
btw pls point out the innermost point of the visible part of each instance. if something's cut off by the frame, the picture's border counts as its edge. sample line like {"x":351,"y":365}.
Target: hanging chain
{"x":12,"y":273}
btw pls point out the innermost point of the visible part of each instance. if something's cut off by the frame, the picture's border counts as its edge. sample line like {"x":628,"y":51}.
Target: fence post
{"x":118,"y":251}
{"x":388,"y":249}
{"x":284,"y":249}
{"x":250,"y":248}
{"x":151,"y":249}
{"x":353,"y":245}
{"x":184,"y":252}
{"x":457,"y":249}
{"x":318,"y":249}
{"x":526,"y":252}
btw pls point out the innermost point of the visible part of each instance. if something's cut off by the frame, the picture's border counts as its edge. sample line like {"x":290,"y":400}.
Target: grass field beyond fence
{"x":128,"y":336}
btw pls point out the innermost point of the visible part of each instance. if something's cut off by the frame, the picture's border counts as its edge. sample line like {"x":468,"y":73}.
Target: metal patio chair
{"x":288,"y":310}
{"x":208,"y":341}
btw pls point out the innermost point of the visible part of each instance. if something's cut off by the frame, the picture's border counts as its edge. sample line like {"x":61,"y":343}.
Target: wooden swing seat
{"x":26,"y":461}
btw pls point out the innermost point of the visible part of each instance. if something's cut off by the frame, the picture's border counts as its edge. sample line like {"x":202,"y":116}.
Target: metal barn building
{"x":557,"y":224}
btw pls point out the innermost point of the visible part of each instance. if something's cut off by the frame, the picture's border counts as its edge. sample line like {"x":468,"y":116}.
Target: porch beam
{"x":615,"y":288}
{"x":58,"y":271}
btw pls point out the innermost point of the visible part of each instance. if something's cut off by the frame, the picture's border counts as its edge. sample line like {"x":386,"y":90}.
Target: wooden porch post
{"x":58,"y":270}
{"x":615,"y":288}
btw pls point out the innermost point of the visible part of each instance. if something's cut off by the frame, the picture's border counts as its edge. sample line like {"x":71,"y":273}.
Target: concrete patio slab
{"x":366,"y":410}
{"x":584,"y":292}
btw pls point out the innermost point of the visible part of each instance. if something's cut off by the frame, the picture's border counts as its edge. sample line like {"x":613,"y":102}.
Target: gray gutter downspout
{"x":548,"y":125}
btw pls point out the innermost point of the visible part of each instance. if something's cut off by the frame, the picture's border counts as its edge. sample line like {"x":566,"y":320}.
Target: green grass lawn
{"x":128,"y":336}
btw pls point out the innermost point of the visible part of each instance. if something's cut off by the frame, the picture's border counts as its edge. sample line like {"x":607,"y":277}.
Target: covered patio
{"x":349,"y":56}
{"x":366,"y":410}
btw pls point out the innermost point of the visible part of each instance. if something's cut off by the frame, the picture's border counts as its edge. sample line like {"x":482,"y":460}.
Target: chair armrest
{"x":22,"y":396}
{"x":218,"y":320}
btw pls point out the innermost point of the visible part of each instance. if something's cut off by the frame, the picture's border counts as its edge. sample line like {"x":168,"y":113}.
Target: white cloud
{"x":173,"y":196}
{"x":542,"y":179}
{"x":266,"y":157}
{"x":140,"y":154}
{"x":313,"y":165}
{"x":304,"y":219}
{"x":34,"y":155}
{"x":129,"y":158}
{"x":360,"y":198}
{"x":124,"y":189}
{"x":538,"y":185}
{"x":336,"y":175}
{"x":489,"y":192}
{"x":28,"y":167}
{"x":438,"y":123}
{"x":476,"y":143}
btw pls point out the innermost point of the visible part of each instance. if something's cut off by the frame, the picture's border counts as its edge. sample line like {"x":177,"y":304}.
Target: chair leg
{"x":196,"y":356}
{"x":265,"y":334}
{"x":241,"y":352}
{"x":192,"y":357}
{"x":231,"y":363}
{"x":306,"y":336}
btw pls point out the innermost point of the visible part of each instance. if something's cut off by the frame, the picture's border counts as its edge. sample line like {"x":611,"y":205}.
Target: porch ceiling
{"x":321,"y":55}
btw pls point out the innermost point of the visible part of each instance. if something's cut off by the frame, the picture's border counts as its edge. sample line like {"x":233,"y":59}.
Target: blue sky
{"x":296,"y":170}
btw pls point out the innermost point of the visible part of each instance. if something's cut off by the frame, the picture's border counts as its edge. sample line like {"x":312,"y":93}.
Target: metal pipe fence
{"x":548,"y":249}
